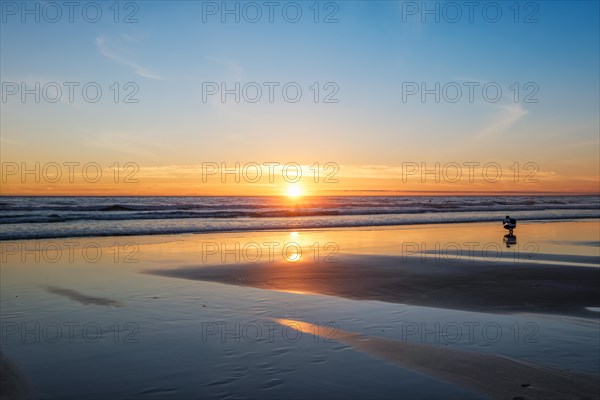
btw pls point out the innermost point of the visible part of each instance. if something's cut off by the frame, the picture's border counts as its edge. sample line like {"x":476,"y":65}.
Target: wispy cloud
{"x":5,"y":140}
{"x":507,"y":116}
{"x":231,"y":67}
{"x":106,"y":51}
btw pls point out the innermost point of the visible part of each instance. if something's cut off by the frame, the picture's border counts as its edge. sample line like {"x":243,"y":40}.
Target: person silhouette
{"x":509,"y":224}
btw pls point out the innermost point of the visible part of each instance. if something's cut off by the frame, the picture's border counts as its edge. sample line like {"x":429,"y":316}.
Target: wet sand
{"x":82,"y":298}
{"x":13,"y":385}
{"x":463,"y":285}
{"x":171,"y":295}
{"x":499,"y":377}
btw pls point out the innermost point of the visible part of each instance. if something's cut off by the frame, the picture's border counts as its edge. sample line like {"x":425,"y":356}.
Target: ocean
{"x":61,"y":217}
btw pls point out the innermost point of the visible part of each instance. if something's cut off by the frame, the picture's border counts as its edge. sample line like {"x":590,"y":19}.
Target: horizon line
{"x":413,"y":193}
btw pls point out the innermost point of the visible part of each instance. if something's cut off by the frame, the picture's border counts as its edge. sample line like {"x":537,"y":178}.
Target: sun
{"x":294,"y":191}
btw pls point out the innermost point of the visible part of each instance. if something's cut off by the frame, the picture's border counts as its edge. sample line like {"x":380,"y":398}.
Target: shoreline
{"x":307,"y":229}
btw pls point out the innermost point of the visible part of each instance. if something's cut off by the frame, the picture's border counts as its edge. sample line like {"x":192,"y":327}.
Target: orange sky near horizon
{"x":253,"y":179}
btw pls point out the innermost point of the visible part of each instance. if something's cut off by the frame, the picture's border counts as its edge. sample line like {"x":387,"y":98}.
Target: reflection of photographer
{"x":509,"y":224}
{"x":510,"y":240}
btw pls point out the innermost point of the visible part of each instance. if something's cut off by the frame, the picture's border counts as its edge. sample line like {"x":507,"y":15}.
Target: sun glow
{"x":294,"y":191}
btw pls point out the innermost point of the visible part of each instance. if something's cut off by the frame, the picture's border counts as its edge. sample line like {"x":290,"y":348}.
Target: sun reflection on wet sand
{"x":497,"y":376}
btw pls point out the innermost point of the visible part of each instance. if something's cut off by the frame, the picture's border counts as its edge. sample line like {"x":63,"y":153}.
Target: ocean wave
{"x":180,"y":226}
{"x":36,"y":217}
{"x":122,"y":214}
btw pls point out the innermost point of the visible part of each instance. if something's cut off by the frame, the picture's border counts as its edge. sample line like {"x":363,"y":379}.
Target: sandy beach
{"x":460,"y":314}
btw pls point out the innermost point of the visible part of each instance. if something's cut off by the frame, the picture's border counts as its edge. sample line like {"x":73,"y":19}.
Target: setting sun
{"x":294,"y":191}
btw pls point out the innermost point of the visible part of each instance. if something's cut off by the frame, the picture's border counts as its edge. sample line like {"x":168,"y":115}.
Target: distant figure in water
{"x":510,"y":224}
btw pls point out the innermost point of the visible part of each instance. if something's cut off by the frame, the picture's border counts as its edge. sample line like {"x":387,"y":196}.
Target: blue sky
{"x":369,"y":53}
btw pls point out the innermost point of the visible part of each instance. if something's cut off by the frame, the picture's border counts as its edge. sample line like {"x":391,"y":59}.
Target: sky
{"x":362,"y":67}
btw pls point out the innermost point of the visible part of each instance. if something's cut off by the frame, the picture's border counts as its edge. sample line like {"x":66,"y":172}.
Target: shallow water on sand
{"x":80,"y":328}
